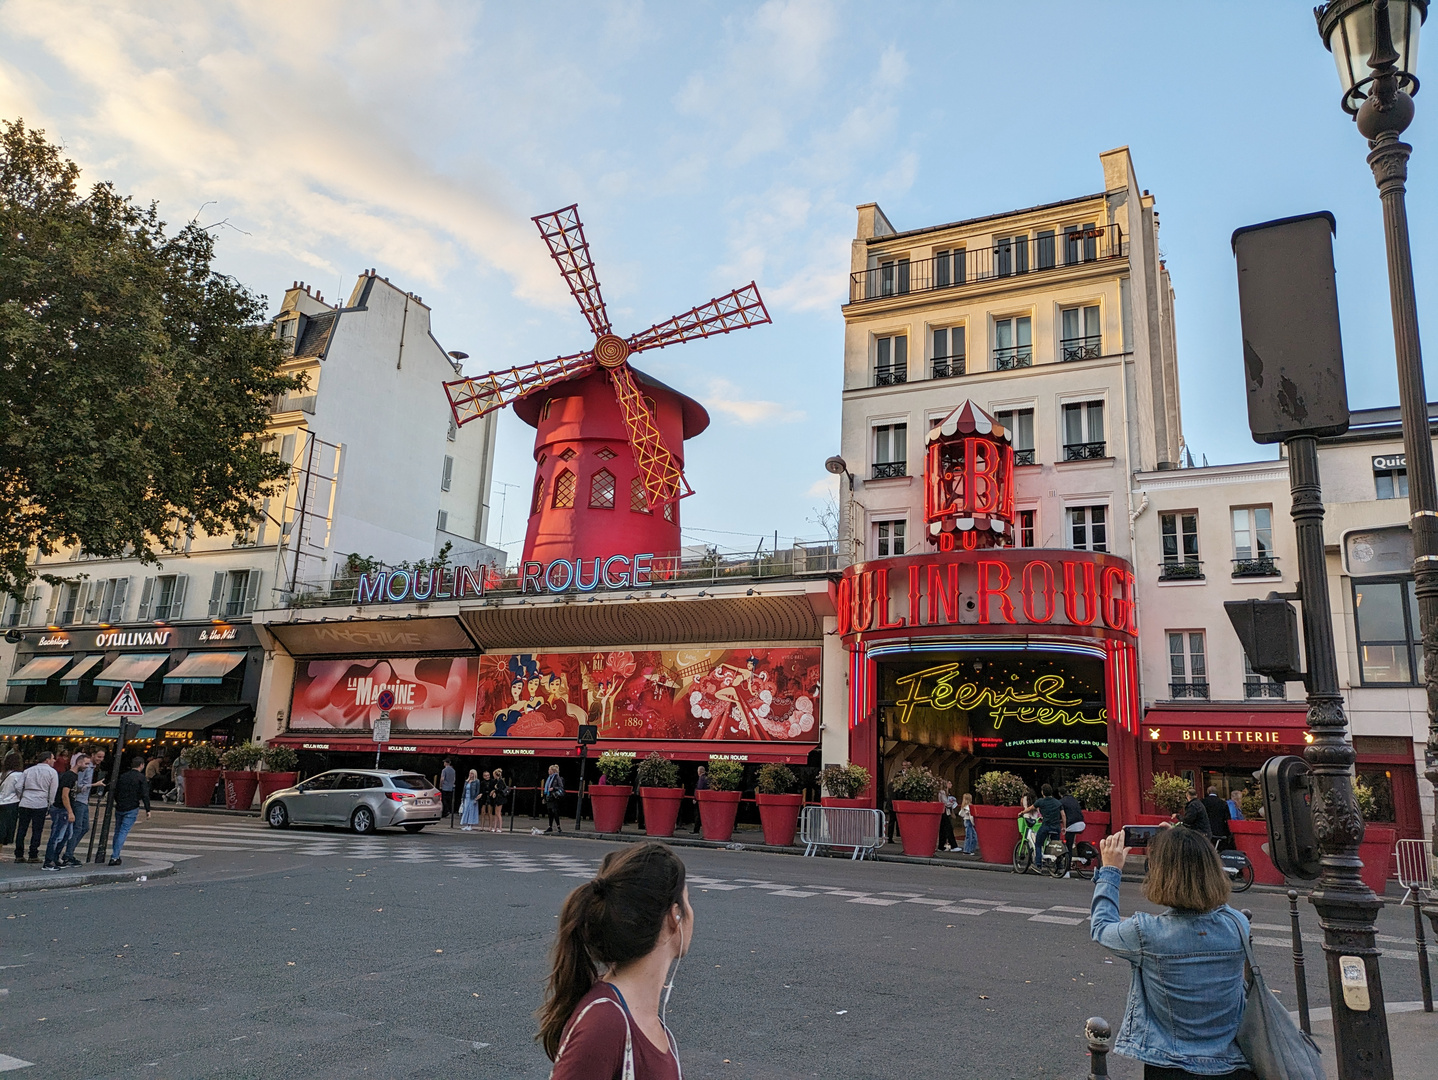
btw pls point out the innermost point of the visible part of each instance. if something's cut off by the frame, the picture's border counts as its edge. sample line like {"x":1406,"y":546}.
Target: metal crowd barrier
{"x":1416,"y":874}
{"x":862,"y":831}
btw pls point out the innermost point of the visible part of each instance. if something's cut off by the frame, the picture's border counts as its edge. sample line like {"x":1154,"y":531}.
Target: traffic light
{"x":1287,"y":799}
{"x":1268,"y":632}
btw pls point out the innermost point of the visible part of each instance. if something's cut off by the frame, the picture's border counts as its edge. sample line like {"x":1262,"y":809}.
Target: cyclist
{"x":1073,"y":818}
{"x":1051,"y":810}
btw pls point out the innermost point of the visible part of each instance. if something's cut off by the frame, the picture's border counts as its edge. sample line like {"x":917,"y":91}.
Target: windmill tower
{"x":607,"y":480}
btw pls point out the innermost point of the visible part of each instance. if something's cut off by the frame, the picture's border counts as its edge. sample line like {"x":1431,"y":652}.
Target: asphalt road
{"x":316,"y":954}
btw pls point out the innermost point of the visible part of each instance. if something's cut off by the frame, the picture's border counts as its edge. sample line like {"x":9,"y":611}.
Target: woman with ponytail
{"x":603,"y":1012}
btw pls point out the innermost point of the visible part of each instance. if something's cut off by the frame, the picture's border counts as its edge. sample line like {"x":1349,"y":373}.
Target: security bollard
{"x":1100,"y":1039}
{"x":1424,"y":978}
{"x":1300,"y":976}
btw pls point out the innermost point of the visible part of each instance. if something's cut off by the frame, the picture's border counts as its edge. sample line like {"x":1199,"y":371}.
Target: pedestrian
{"x":701,"y":784}
{"x":971,"y":832}
{"x":1195,"y":816}
{"x":633,"y":921}
{"x":1187,"y":992}
{"x":553,"y":790}
{"x":1235,"y":812}
{"x":62,"y":819}
{"x":80,"y":800}
{"x":1074,"y":823}
{"x":1218,"y":818}
{"x":446,"y":788}
{"x":469,"y":806}
{"x":131,"y":790}
{"x":500,"y":795}
{"x":486,"y":801}
{"x":947,"y":840}
{"x":62,"y":758}
{"x":12,"y":779}
{"x":37,"y":792}
{"x":889,"y":797}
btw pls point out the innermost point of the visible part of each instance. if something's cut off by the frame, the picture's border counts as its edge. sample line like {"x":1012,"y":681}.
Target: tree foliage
{"x":135,"y":380}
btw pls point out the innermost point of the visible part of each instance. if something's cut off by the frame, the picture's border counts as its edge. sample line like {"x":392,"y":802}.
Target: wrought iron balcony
{"x":1081,"y":348}
{"x":1180,"y":570}
{"x":890,"y":470}
{"x":1196,"y":688}
{"x":1013,"y":356}
{"x":1023,"y":457}
{"x":1085,"y":451}
{"x":1045,"y":254}
{"x":1263,"y":566}
{"x":946,"y":367}
{"x":891,"y":376}
{"x":1265,"y":688}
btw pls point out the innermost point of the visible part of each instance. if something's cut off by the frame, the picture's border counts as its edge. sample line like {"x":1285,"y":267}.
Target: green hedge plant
{"x":1092,"y":791}
{"x":658,"y":771}
{"x":280,"y":758}
{"x":845,"y":781}
{"x":201,"y":756}
{"x":776,"y":779}
{"x":725,"y":774}
{"x":999,"y":788}
{"x":615,"y":767}
{"x":916,"y":784}
{"x":1251,"y":804}
{"x":242,"y":758}
{"x":1169,"y":793}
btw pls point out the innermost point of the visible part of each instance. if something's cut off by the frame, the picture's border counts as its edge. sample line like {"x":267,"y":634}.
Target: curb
{"x":107,"y":876}
{"x":217,"y":811}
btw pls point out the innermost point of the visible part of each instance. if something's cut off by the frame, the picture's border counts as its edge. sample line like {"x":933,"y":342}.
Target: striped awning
{"x":86,"y":721}
{"x":39,"y":671}
{"x":205,"y":667}
{"x":131,"y":668}
{"x":82,"y":665}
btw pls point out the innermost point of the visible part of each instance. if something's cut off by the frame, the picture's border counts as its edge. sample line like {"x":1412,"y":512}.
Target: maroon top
{"x":593,"y":1048}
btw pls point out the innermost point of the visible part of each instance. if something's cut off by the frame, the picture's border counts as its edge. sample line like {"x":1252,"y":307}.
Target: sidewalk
{"x":28,"y":877}
{"x":1412,"y":1034}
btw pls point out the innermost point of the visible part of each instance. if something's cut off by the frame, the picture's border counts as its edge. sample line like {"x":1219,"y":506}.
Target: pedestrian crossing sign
{"x":126,"y":703}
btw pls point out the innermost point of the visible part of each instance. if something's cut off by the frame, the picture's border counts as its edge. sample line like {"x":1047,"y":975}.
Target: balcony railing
{"x":1254,"y":688}
{"x":889,"y":470}
{"x":282,"y":403}
{"x":946,"y":367}
{"x":1012,"y":258}
{"x":1081,"y":348}
{"x":1263,"y":566}
{"x":1085,"y":451}
{"x":1023,"y":457}
{"x":1180,"y":570}
{"x":891,"y":376}
{"x":1194,"y":689}
{"x":1008,"y":357}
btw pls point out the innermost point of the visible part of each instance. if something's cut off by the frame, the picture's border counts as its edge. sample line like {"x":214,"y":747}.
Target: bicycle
{"x":1056,"y":858}
{"x":1238,"y":867}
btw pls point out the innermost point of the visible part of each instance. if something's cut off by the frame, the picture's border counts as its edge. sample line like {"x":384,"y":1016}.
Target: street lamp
{"x":1381,"y":101}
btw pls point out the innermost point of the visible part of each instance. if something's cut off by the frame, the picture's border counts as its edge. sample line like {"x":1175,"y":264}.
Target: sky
{"x":708,"y":144}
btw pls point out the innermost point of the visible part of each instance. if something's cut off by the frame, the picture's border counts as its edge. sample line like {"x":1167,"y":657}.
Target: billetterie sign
{"x":464,"y":582}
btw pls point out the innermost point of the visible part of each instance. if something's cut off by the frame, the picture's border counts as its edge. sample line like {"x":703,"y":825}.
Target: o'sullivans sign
{"x":987,"y":591}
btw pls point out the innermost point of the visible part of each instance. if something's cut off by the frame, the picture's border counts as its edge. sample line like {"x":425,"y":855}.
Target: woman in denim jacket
{"x":1186,"y":994}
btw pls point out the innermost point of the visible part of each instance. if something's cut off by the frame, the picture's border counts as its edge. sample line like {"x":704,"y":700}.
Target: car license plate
{"x":424,"y":802}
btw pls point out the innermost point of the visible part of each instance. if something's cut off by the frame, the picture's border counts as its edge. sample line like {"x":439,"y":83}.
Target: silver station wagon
{"x":361,"y":800}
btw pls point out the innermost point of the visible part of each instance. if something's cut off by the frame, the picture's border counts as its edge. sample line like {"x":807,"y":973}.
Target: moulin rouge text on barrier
{"x":463,"y":582}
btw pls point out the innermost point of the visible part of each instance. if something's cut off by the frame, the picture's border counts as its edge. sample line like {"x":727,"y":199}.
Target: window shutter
{"x":32,"y":603}
{"x":448,"y":474}
{"x":217,"y":593}
{"x":87,"y":604}
{"x":177,"y":598}
{"x":120,"y":601}
{"x":252,"y":592}
{"x":54,"y":609}
{"x":147,"y":591}
{"x":442,"y":522}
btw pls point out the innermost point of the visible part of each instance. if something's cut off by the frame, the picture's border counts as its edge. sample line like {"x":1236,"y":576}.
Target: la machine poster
{"x":731,"y":695}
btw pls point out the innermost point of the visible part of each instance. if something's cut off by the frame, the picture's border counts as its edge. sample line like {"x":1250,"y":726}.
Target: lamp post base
{"x":1360,"y":1035}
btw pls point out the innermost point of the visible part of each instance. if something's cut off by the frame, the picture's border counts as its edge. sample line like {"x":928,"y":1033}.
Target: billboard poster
{"x":731,"y":695}
{"x":430,"y":694}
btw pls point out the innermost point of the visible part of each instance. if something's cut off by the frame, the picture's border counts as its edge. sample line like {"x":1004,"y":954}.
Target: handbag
{"x":1276,"y":1048}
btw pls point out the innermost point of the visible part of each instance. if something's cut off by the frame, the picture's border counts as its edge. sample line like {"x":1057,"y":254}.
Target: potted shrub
{"x":661,"y":794}
{"x":241,"y":779}
{"x":1170,"y":794}
{"x":609,"y":801}
{"x":844,"y":783}
{"x":202,"y":773}
{"x":1092,"y":792}
{"x":778,"y":804}
{"x":280,"y":764}
{"x":1377,"y":846}
{"x":996,"y":817}
{"x":719,"y":805}
{"x":917,"y":806}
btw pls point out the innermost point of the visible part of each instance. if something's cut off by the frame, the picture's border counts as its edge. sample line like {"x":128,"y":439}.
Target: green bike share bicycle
{"x":1056,"y":858}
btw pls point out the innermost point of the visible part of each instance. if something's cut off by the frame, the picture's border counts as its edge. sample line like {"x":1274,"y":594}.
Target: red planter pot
{"x":717,"y":810}
{"x":1376,"y":851}
{"x":1251,"y":838}
{"x":200,"y":786}
{"x":240,"y":788}
{"x":857,"y":804}
{"x":779,"y":815}
{"x":919,"y":826}
{"x":998,"y":828}
{"x":609,"y":802}
{"x":661,"y":809}
{"x":271,"y":782}
{"x":1099,"y":822}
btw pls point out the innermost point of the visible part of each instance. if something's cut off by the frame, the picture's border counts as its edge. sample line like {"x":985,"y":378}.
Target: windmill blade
{"x":732,"y":311}
{"x":658,"y":470}
{"x":564,"y":233}
{"x":471,"y":398}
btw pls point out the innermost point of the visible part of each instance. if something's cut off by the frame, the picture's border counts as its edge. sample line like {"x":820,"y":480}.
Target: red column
{"x":1121,"y":684}
{"x":863,"y":723}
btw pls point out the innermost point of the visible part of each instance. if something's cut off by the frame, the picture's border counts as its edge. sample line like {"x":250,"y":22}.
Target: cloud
{"x":825,"y":487}
{"x":723,"y":396}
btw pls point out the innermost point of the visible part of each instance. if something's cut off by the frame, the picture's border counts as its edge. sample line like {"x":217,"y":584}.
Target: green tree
{"x":135,"y":381}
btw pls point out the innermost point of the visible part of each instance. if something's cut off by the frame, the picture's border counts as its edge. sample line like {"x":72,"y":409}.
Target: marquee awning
{"x":86,"y":721}
{"x":411,"y":743}
{"x":38,"y":671}
{"x":131,"y":668}
{"x":205,"y":667}
{"x":82,"y":665}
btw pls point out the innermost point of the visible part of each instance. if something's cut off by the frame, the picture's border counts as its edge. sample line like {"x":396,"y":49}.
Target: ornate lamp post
{"x":1382,"y":37}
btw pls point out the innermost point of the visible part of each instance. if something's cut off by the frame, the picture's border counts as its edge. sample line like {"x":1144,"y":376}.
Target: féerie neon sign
{"x":1043,"y":703}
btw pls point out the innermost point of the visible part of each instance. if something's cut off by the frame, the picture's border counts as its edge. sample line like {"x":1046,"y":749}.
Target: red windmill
{"x":590,"y":499}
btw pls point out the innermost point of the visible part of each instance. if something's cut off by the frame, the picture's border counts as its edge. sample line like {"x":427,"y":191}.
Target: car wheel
{"x":413,"y":828}
{"x":277,"y":816}
{"x":363,"y":821}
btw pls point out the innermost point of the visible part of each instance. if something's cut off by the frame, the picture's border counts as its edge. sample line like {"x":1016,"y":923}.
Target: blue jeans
{"x":971,"y":838}
{"x":1040,"y":839}
{"x":59,"y":832}
{"x":79,"y":829}
{"x":124,"y":822}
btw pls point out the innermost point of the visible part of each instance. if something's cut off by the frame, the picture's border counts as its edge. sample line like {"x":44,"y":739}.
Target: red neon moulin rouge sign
{"x":1089,"y":592}
{"x":969,"y":481}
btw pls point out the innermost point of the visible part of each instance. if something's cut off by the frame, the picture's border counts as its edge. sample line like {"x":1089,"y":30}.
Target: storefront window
{"x":1390,"y":649}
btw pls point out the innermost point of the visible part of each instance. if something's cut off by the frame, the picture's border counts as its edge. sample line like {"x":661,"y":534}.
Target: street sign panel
{"x":386,"y":700}
{"x":381,"y":728}
{"x":126,"y":703}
